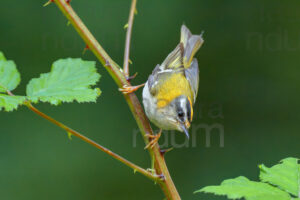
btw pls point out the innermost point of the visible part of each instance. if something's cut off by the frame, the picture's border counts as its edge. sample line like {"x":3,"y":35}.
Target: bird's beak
{"x":184,"y":128}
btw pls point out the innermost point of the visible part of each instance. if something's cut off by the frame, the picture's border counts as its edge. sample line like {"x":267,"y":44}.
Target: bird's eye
{"x":180,"y":114}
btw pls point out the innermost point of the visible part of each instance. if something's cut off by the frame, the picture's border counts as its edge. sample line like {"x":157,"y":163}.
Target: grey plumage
{"x":177,"y":114}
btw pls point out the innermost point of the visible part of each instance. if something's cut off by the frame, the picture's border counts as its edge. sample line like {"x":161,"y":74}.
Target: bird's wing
{"x":159,"y":74}
{"x":180,"y":60}
{"x":152,"y":78}
{"x":191,"y":44}
{"x":192,"y":75}
{"x":173,"y":63}
{"x":175,"y":59}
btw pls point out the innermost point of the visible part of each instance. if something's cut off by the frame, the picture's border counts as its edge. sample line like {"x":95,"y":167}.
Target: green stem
{"x":128,"y":38}
{"x":114,"y":70}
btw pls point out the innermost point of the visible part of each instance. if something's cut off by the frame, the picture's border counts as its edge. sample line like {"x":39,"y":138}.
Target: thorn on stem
{"x":70,"y":135}
{"x":126,"y":26}
{"x":107,"y":63}
{"x":68,"y":23}
{"x":131,"y":77}
{"x":48,"y":2}
{"x":130,"y":61}
{"x":135,"y":11}
{"x":68,"y":1}
{"x":162,"y":177}
{"x":85,"y":49}
{"x":164,"y":151}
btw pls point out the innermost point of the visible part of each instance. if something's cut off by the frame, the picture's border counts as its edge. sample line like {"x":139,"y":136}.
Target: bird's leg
{"x":152,"y":170}
{"x":129,"y":89}
{"x":154,"y":139}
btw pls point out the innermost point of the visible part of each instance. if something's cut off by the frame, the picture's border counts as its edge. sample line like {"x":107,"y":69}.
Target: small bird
{"x":171,"y":89}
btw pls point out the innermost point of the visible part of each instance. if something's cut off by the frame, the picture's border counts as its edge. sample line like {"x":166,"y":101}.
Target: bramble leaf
{"x":9,"y":75}
{"x":285,"y":175}
{"x":9,"y":80}
{"x":70,"y":79}
{"x":2,"y":57}
{"x":9,"y":103}
{"x":241,"y":187}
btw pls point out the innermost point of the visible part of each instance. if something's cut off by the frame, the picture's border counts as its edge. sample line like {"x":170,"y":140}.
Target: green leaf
{"x":70,"y":79}
{"x":242,"y":187}
{"x":9,"y":75}
{"x":285,"y":175}
{"x":2,"y":57}
{"x":9,"y":103}
{"x":9,"y":80}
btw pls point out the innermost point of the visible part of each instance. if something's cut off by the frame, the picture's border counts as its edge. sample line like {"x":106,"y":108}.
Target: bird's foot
{"x":159,"y":176}
{"x":130,"y":89}
{"x":154,"y":139}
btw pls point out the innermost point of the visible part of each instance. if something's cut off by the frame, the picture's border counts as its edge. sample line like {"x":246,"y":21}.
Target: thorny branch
{"x":116,"y":73}
{"x":128,"y":38}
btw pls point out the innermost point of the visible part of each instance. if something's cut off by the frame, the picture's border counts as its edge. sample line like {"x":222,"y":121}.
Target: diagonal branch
{"x":93,"y":143}
{"x":128,"y":38}
{"x":114,"y":70}
{"x":89,"y":141}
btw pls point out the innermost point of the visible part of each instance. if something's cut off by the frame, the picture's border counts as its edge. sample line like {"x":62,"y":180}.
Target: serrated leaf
{"x":9,"y":103}
{"x":70,"y":79}
{"x":241,"y":187}
{"x":285,"y":175}
{"x":9,"y":75}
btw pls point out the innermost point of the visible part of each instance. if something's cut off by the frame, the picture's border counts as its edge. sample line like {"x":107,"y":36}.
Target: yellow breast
{"x":174,"y":86}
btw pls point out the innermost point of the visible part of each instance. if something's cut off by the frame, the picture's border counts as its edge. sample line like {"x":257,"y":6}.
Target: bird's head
{"x":179,"y":113}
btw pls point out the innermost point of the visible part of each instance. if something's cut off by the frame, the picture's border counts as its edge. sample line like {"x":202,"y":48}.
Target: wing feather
{"x":192,"y":75}
{"x":174,"y":59}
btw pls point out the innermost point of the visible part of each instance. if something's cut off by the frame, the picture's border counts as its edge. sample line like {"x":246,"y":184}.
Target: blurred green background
{"x":249,"y":88}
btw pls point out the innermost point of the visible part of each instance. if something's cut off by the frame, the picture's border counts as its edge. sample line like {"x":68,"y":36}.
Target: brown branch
{"x":167,"y":185}
{"x":128,"y":38}
{"x":93,"y":143}
{"x":89,"y":141}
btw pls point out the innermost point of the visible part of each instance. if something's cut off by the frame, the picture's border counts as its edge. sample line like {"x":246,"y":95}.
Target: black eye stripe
{"x":180,"y":114}
{"x":183,"y":109}
{"x":188,"y":109}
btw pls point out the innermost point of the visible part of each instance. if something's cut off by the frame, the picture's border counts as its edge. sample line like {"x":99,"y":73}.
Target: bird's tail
{"x":191,"y":44}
